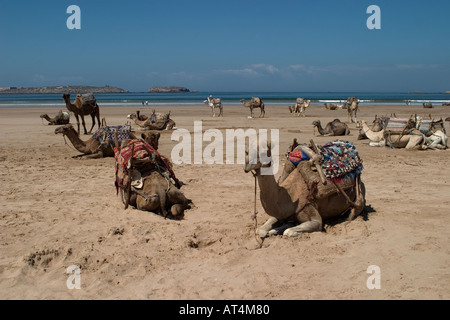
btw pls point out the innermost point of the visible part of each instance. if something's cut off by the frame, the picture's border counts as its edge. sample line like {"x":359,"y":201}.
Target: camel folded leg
{"x":312,"y":225}
{"x":269,"y":228}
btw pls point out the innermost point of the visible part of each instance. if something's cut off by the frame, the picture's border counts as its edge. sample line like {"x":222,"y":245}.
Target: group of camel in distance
{"x":292,"y":198}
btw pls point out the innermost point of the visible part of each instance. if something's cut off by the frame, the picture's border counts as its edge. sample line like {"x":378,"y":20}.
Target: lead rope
{"x":255,"y":214}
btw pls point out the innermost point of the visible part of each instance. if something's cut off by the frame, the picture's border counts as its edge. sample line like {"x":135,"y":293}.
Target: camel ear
{"x":143,"y":136}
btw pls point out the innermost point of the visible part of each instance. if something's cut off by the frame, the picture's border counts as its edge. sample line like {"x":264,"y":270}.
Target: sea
{"x":228,"y":98}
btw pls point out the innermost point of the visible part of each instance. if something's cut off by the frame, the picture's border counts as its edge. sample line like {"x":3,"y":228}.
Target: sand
{"x":57,"y":211}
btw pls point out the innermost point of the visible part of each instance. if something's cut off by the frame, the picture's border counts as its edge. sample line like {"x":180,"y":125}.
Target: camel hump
{"x":256,"y":100}
{"x":87,"y":98}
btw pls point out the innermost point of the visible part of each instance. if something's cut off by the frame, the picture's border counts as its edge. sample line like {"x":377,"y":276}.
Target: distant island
{"x":61,"y":90}
{"x":447,"y":92}
{"x":168,"y":90}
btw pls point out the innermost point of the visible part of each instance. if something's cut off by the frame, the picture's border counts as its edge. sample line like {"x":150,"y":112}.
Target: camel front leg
{"x":312,"y":225}
{"x":83,"y":123}
{"x":93,"y":122}
{"x":265,"y":229}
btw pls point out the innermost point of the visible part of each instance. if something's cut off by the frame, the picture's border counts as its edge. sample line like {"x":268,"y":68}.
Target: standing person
{"x":142,"y":102}
{"x":146,"y":103}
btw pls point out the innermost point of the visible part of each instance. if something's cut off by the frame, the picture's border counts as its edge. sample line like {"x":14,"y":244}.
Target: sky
{"x":244,"y":45}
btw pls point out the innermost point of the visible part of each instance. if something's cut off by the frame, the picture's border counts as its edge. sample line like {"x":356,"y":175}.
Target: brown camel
{"x":150,"y":124}
{"x":352,"y":108}
{"x":254,"y":104}
{"x":333,"y":128}
{"x":427,"y":105}
{"x":332,"y":106}
{"x":62,"y":117}
{"x":151,"y":188}
{"x":298,"y":198}
{"x":81,"y":109}
{"x":93,"y":148}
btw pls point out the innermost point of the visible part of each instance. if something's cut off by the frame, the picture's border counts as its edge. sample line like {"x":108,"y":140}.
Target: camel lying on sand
{"x":300,"y":199}
{"x":333,"y":128}
{"x":153,"y":122}
{"x":149,"y":184}
{"x":62,"y":117}
{"x":411,"y":139}
{"x":101,"y":143}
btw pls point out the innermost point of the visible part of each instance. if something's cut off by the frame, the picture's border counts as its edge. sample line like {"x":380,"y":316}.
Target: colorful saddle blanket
{"x":142,"y":151}
{"x":397,"y":125}
{"x":340,"y":160}
{"x":106,"y":134}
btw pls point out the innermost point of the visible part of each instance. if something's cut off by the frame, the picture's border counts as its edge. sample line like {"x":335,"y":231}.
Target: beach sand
{"x":57,"y":211}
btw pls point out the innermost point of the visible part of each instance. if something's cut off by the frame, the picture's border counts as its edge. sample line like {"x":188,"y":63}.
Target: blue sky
{"x":244,"y":45}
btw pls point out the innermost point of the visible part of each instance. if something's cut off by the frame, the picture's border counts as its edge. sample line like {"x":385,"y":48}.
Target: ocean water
{"x":228,"y":98}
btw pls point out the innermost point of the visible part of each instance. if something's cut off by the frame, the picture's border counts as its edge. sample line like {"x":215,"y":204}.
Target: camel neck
{"x":79,"y":144}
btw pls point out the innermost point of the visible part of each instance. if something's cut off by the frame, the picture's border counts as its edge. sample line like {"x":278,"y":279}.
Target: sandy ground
{"x":57,"y":211}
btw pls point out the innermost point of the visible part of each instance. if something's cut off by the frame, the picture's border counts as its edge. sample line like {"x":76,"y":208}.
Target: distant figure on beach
{"x":143,"y":102}
{"x":146,"y":103}
{"x":407,"y":102}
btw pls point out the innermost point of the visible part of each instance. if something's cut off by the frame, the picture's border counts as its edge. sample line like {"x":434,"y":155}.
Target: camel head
{"x":43,"y":116}
{"x":132,"y":116}
{"x":252,"y":156}
{"x":316,"y":123}
{"x":152,"y":139}
{"x":64,"y":129}
{"x":66,"y":96}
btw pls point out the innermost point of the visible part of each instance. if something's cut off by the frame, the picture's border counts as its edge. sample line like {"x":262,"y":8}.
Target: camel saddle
{"x":341,"y":164}
{"x":143,"y":159}
{"x":87,"y":98}
{"x":106,"y":135}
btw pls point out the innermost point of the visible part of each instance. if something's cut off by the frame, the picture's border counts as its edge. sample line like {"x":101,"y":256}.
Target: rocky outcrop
{"x":168,"y":90}
{"x":62,"y":89}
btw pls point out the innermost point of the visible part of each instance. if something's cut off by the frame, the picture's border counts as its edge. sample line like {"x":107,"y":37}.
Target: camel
{"x":383,"y":138}
{"x":95,"y":149}
{"x":427,"y":105}
{"x":333,"y":128}
{"x":214,"y":103}
{"x":298,"y":199}
{"x":352,"y":108}
{"x":151,"y":187}
{"x":253,"y":104}
{"x":332,"y":106}
{"x":152,"y":124}
{"x":81,"y":109}
{"x":446,"y":104}
{"x":62,"y":117}
{"x":301,"y":108}
{"x":377,"y":126}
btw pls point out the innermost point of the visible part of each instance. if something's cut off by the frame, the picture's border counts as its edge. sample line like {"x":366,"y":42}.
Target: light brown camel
{"x":427,"y":105}
{"x":383,"y":138}
{"x":154,"y":191}
{"x":94,"y":149}
{"x":81,"y":109}
{"x":213,"y":104}
{"x":62,"y":117}
{"x":333,"y":128}
{"x":294,"y":200}
{"x":149,"y":124}
{"x":254,"y":104}
{"x":301,"y":108}
{"x":352,"y":108}
{"x":376,"y":127}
